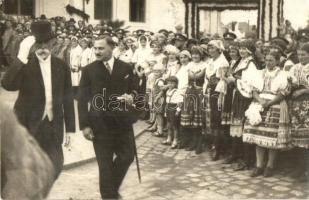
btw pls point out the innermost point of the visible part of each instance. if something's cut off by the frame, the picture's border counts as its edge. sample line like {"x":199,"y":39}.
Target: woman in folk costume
{"x":86,"y":52}
{"x":242,"y":70}
{"x":123,"y":52}
{"x":213,"y":86}
{"x":267,"y":123}
{"x":299,"y":109}
{"x":156,"y":63}
{"x":191,"y":116}
{"x":75,"y":55}
{"x":183,"y":80}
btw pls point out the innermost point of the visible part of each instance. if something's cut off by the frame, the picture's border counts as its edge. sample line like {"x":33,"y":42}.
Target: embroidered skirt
{"x":191,"y":113}
{"x":212,"y":112}
{"x":299,"y":114}
{"x":272,"y":132}
{"x":239,"y":107}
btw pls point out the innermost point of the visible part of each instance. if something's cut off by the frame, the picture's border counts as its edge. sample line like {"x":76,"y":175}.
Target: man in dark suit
{"x":107,"y":85}
{"x":45,"y":92}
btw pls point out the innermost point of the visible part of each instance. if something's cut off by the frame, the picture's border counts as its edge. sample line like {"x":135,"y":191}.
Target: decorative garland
{"x":193,"y":20}
{"x":270,"y":18}
{"x":278,"y":15}
{"x":72,"y":10}
{"x":198,"y":23}
{"x":186,"y":18}
{"x":258,"y":21}
{"x":262,"y":19}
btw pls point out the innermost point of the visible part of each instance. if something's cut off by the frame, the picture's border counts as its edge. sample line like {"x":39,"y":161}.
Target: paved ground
{"x":178,"y":174}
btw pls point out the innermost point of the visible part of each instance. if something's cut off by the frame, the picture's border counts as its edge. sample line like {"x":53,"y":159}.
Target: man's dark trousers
{"x":51,"y":143}
{"x":114,"y":149}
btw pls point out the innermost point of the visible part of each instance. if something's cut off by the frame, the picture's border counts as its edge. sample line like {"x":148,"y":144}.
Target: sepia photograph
{"x":154,"y":99}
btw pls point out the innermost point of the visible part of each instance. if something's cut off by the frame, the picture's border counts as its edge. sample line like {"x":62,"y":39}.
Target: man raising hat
{"x":45,"y":92}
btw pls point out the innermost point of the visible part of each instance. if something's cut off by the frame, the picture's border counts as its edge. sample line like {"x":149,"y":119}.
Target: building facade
{"x":148,"y":14}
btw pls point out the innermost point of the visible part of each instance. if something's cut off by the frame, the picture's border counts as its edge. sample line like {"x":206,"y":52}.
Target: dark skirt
{"x":212,"y":113}
{"x":227,"y":106}
{"x":299,"y":114}
{"x":239,"y":106}
{"x":191,"y":113}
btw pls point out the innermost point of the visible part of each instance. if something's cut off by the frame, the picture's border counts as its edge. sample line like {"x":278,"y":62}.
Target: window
{"x":137,"y":10}
{"x":103,"y":9}
{"x":19,"y":7}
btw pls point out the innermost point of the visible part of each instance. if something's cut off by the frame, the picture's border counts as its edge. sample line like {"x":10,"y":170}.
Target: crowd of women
{"x":245,"y":99}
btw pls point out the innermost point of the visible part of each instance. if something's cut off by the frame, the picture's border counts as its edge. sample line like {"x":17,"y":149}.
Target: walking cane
{"x":135,"y":149}
{"x":137,"y":162}
{"x":136,"y":156}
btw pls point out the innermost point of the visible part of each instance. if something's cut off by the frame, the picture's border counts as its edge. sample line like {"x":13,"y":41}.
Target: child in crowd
{"x":172,"y":112}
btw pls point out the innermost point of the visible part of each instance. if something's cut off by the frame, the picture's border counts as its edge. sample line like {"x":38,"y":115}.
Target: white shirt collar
{"x":110,"y":62}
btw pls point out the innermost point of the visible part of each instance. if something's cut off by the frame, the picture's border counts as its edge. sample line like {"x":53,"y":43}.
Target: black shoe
{"x":257,"y":172}
{"x":268,"y":172}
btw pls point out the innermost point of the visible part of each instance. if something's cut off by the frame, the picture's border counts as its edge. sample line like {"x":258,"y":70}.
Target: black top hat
{"x":229,"y":36}
{"x":42,"y":31}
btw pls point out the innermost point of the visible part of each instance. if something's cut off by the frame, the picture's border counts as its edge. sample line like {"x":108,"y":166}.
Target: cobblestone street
{"x":178,"y":174}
